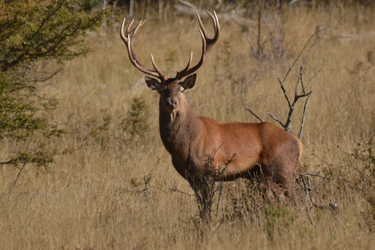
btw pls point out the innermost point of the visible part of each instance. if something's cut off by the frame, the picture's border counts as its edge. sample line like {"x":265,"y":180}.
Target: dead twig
{"x":176,"y":190}
{"x":248,"y":109}
{"x":317,"y":175}
{"x":304,"y":182}
{"x":300,"y":91}
{"x":304,"y":114}
{"x":18,"y":176}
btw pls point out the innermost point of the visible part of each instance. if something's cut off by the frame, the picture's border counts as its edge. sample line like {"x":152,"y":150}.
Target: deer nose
{"x":171,"y":103}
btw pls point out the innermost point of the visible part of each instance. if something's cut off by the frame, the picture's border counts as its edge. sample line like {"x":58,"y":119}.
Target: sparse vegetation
{"x":112,"y":184}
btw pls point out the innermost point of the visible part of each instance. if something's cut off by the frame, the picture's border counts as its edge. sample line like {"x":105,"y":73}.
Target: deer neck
{"x":178,"y":129}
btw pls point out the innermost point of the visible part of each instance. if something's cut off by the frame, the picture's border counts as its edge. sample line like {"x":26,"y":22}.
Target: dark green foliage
{"x":17,"y":114}
{"x":100,"y":129}
{"x":135,"y":123}
{"x":91,"y":4}
{"x":38,"y":30}
{"x":129,"y":132}
{"x":34,"y":35}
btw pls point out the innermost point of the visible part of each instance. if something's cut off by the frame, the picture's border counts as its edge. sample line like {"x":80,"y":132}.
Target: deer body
{"x":191,"y":140}
{"x":233,"y":149}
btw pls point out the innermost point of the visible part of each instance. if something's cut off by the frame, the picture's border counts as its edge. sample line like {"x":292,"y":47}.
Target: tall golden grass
{"x":109,"y":191}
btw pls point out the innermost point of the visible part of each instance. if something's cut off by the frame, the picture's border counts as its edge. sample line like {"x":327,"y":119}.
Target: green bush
{"x":135,"y":124}
{"x":35,"y":35}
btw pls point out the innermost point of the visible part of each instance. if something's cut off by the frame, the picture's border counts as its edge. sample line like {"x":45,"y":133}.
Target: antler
{"x":207,"y":44}
{"x":127,"y":37}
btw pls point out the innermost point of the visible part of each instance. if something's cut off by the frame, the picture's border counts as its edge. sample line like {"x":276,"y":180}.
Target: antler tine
{"x":201,"y":23}
{"x":188,"y":64}
{"x":213,"y":19}
{"x":160,"y":72}
{"x":134,"y":31}
{"x":204,"y":41}
{"x":127,"y":37}
{"x":207,"y":44}
{"x":215,"y":22}
{"x":122,"y":35}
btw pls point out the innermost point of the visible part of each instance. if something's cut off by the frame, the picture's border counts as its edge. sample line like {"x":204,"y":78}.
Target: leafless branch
{"x":248,"y":109}
{"x":298,"y":94}
{"x":311,"y":78}
{"x":284,"y":91}
{"x":174,"y":189}
{"x":43,"y":194}
{"x":277,"y":120}
{"x":316,"y":175}
{"x":305,"y":184}
{"x":43,"y":77}
{"x":218,"y":201}
{"x":6,"y":162}
{"x":18,"y":176}
{"x":304,"y":114}
{"x":303,"y":49}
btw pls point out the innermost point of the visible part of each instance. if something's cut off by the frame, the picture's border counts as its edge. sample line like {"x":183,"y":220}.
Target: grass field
{"x":113,"y":185}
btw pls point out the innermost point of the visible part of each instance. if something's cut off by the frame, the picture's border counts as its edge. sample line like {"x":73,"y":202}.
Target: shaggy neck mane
{"x":179,"y":128}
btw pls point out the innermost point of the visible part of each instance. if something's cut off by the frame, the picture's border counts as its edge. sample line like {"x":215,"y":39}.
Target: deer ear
{"x":189,"y":82}
{"x":152,"y":83}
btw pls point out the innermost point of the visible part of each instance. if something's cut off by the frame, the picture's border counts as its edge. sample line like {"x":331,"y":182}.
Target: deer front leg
{"x":203,"y":187}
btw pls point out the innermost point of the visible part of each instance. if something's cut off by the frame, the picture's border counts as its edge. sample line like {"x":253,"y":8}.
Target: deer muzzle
{"x":171,"y":103}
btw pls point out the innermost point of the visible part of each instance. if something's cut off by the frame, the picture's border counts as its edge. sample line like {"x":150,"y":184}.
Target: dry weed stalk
{"x":304,"y":182}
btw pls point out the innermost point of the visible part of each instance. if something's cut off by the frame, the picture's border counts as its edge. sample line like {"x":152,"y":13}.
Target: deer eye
{"x":177,"y":90}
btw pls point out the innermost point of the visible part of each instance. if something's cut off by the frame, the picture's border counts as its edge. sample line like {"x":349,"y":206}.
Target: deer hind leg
{"x":288,"y":183}
{"x":283,"y":173}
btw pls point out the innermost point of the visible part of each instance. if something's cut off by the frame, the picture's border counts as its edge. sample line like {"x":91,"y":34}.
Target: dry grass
{"x":98,"y":195}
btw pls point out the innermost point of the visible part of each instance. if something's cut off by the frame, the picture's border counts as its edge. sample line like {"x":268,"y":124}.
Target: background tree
{"x":36,"y":38}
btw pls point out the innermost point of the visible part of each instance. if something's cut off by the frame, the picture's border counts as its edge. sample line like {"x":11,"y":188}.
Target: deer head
{"x":171,"y":90}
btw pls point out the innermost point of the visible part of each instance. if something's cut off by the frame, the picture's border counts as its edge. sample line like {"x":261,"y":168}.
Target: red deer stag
{"x":192,"y":140}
